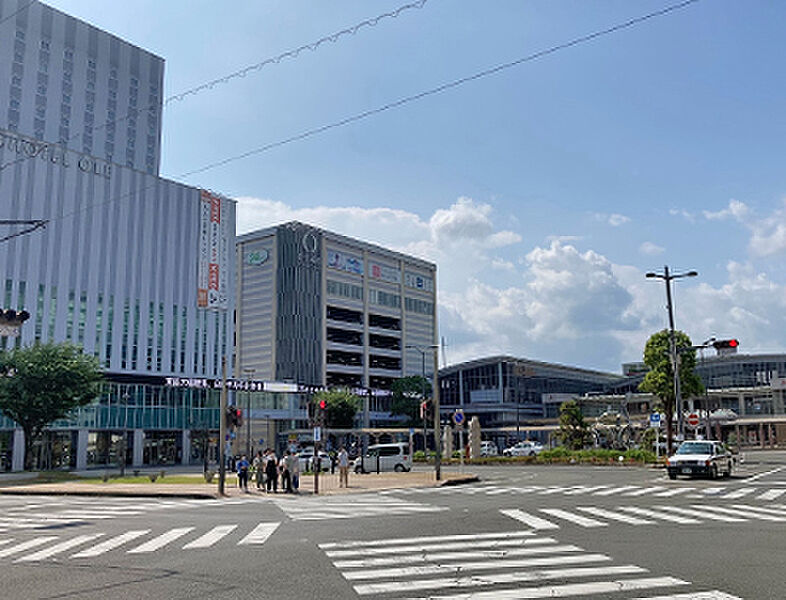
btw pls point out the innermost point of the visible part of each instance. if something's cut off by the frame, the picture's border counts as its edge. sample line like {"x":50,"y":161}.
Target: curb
{"x":109,"y":493}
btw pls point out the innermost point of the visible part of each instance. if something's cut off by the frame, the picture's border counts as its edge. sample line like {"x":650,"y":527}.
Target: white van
{"x":488,"y":449}
{"x":389,"y":457}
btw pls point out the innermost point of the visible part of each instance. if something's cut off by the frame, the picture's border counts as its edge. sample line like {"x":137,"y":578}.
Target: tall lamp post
{"x":435,"y":396}
{"x":667,"y":277}
{"x":249,"y":374}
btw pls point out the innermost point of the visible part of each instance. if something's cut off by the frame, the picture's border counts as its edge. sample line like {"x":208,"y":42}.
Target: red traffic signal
{"x":322,"y":404}
{"x":723,"y":344}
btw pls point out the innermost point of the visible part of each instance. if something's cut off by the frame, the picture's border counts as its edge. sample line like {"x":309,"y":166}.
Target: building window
{"x":419,"y":306}
{"x":99,"y":324}
{"x":52,"y":313}
{"x":344,"y":290}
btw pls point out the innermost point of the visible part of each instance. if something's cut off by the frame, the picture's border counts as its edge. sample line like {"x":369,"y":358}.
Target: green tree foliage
{"x":659,"y":380}
{"x":42,"y":383}
{"x":573,"y":430}
{"x":342,"y":406}
{"x":408,"y":393}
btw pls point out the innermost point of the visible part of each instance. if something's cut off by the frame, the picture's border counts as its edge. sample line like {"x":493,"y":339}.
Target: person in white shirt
{"x":343,"y":467}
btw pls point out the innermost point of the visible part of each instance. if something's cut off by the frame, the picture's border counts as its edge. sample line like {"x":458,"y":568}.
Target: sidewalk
{"x":328,"y":485}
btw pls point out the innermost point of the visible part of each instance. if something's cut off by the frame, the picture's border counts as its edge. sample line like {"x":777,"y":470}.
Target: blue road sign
{"x":458,"y":417}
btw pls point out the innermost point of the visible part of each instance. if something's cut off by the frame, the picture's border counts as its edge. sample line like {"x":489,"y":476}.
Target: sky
{"x":543,"y":192}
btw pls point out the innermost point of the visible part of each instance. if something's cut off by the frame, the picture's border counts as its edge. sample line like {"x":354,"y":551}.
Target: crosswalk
{"x":631,"y":491}
{"x":594,"y":516}
{"x":55,"y":512}
{"x":497,"y":566}
{"x":350,"y":507}
{"x":133,"y":542}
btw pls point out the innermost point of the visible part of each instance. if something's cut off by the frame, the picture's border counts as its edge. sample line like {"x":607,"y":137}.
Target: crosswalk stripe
{"x":712,"y":491}
{"x":494,"y":579}
{"x":260,"y":534}
{"x":58,"y":548}
{"x":674,"y":492}
{"x":584,"y":490}
{"x":111,"y":544}
{"x":467,"y":554}
{"x":504,"y":535}
{"x":702,"y":514}
{"x":601,"y":512}
{"x":211,"y":537}
{"x":556,"y":490}
{"x":738,"y":493}
{"x":474,"y":566}
{"x":571,"y":589}
{"x":762,"y":509}
{"x":618,"y":490}
{"x":29,"y":544}
{"x":4,"y":542}
{"x":646,"y":490}
{"x":658,"y":515}
{"x":162,"y":540}
{"x":711,"y":595}
{"x":771,"y":494}
{"x":529,"y":519}
{"x":742,"y":513}
{"x":437,"y":546}
{"x":573,"y":518}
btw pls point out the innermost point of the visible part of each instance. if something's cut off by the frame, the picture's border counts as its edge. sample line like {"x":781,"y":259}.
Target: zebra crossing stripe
{"x":162,"y":540}
{"x":529,"y":519}
{"x":211,"y":537}
{"x":742,"y":513}
{"x":674,"y":492}
{"x":738,"y":493}
{"x":618,"y":490}
{"x":703,"y":514}
{"x":523,"y":563}
{"x":712,"y":595}
{"x":500,"y":578}
{"x":712,"y":491}
{"x":771,"y":494}
{"x":571,"y":589}
{"x":601,"y":512}
{"x":111,"y":544}
{"x":454,"y":556}
{"x":8,"y":541}
{"x":646,"y":490}
{"x":29,"y":544}
{"x":419,"y":548}
{"x":58,"y":548}
{"x":259,"y":535}
{"x":573,"y":518}
{"x":439,"y":538}
{"x":658,"y":515}
{"x":761,"y":509}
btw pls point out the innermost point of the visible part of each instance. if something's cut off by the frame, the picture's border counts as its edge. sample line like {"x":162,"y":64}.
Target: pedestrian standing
{"x":294,"y":471}
{"x":343,"y":467}
{"x":271,"y":471}
{"x":242,"y":473}
{"x":259,"y":468}
{"x":283,"y":465}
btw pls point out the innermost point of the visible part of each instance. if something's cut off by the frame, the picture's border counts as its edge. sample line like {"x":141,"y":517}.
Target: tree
{"x":659,"y":380}
{"x":408,"y":393}
{"x":42,"y":383}
{"x":342,"y":406}
{"x":573,"y":430}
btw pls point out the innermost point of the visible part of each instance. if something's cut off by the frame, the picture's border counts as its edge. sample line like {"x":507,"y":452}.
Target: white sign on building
{"x":213,"y":270}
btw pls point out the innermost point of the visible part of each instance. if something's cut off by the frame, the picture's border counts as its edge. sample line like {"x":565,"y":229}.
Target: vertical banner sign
{"x":213,"y":254}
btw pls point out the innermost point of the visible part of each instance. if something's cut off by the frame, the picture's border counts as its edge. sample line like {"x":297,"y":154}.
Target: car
{"x":700,"y":457}
{"x":306,"y":459}
{"x":523,"y":448}
{"x":385,"y":457}
{"x":488,"y":449}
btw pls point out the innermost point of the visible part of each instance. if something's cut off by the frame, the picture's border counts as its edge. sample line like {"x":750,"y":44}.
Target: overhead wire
{"x":209,"y":85}
{"x":441,"y":88}
{"x":446,"y":86}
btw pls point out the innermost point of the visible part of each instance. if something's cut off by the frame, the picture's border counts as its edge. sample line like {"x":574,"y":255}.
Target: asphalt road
{"x":522,"y":532}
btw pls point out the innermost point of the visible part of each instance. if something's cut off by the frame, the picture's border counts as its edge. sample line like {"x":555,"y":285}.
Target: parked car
{"x":306,"y":459}
{"x":524,"y":448}
{"x":389,"y":457}
{"x":488,"y":449}
{"x":700,"y":457}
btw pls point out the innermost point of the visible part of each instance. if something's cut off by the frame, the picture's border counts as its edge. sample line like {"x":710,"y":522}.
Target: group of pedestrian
{"x":268,"y":470}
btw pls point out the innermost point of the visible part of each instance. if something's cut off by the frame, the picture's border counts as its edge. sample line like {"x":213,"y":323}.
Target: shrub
{"x":161,"y":473}
{"x":209,"y":475}
{"x":105,"y":477}
{"x":153,"y":477}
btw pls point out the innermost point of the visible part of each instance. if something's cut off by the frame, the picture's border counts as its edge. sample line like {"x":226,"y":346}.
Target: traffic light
{"x":9,"y":316}
{"x":234,"y":417}
{"x":726,"y":346}
{"x":238,"y":417}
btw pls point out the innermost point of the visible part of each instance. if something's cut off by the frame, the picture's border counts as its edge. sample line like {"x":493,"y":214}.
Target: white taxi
{"x":700,"y":457}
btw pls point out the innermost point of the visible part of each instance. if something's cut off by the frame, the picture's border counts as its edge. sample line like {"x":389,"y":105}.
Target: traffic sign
{"x":655,"y":420}
{"x":317,"y":434}
{"x":693,"y":420}
{"x":458,"y":417}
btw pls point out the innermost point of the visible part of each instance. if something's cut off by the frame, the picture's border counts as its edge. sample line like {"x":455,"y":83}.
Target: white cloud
{"x":736,"y":210}
{"x":768,"y":235}
{"x":614,"y":219}
{"x":651,"y":249}
{"x":681,"y":212}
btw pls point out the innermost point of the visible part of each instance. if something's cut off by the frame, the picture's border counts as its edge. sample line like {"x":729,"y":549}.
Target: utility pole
{"x":222,"y":428}
{"x":437,"y":432}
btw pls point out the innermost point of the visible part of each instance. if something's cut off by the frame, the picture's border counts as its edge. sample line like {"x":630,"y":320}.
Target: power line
{"x":290,"y":54}
{"x":443,"y":87}
{"x":36,"y":224}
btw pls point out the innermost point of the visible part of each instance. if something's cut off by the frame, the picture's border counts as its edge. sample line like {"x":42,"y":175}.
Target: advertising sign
{"x":419,"y":282}
{"x":344,"y":262}
{"x":384,"y":272}
{"x":213,"y":269}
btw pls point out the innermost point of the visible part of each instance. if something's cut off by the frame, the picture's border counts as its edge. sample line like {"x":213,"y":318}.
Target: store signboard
{"x":343,"y":261}
{"x":213,"y":269}
{"x":384,"y":272}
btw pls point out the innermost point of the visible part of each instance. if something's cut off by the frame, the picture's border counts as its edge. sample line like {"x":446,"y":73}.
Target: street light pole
{"x":435,"y":397}
{"x":667,"y":277}
{"x":249,"y":373}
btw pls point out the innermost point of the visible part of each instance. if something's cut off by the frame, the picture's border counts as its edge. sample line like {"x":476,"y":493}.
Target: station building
{"x":135,"y":269}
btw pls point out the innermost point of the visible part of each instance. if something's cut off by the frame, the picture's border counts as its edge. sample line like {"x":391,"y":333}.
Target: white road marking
{"x":658,"y":515}
{"x":738,"y":493}
{"x":618,"y":490}
{"x":771,"y":494}
{"x":162,"y":540}
{"x":58,"y":548}
{"x":437,"y":546}
{"x":741,"y":513}
{"x":111,"y":544}
{"x":211,"y":537}
{"x":259,"y":535}
{"x":673,"y":492}
{"x":702,"y":514}
{"x":601,"y":512}
{"x":35,"y":542}
{"x":711,"y":595}
{"x":643,"y":491}
{"x":528,"y":519}
{"x":573,"y":518}
{"x":760,"y":475}
{"x":439,"y":538}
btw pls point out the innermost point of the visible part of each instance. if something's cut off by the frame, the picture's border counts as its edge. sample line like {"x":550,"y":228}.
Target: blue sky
{"x":543,"y":192}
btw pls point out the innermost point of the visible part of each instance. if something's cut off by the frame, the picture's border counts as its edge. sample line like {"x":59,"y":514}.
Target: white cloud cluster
{"x":768,"y":234}
{"x":614,"y":219}
{"x":651,"y":249}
